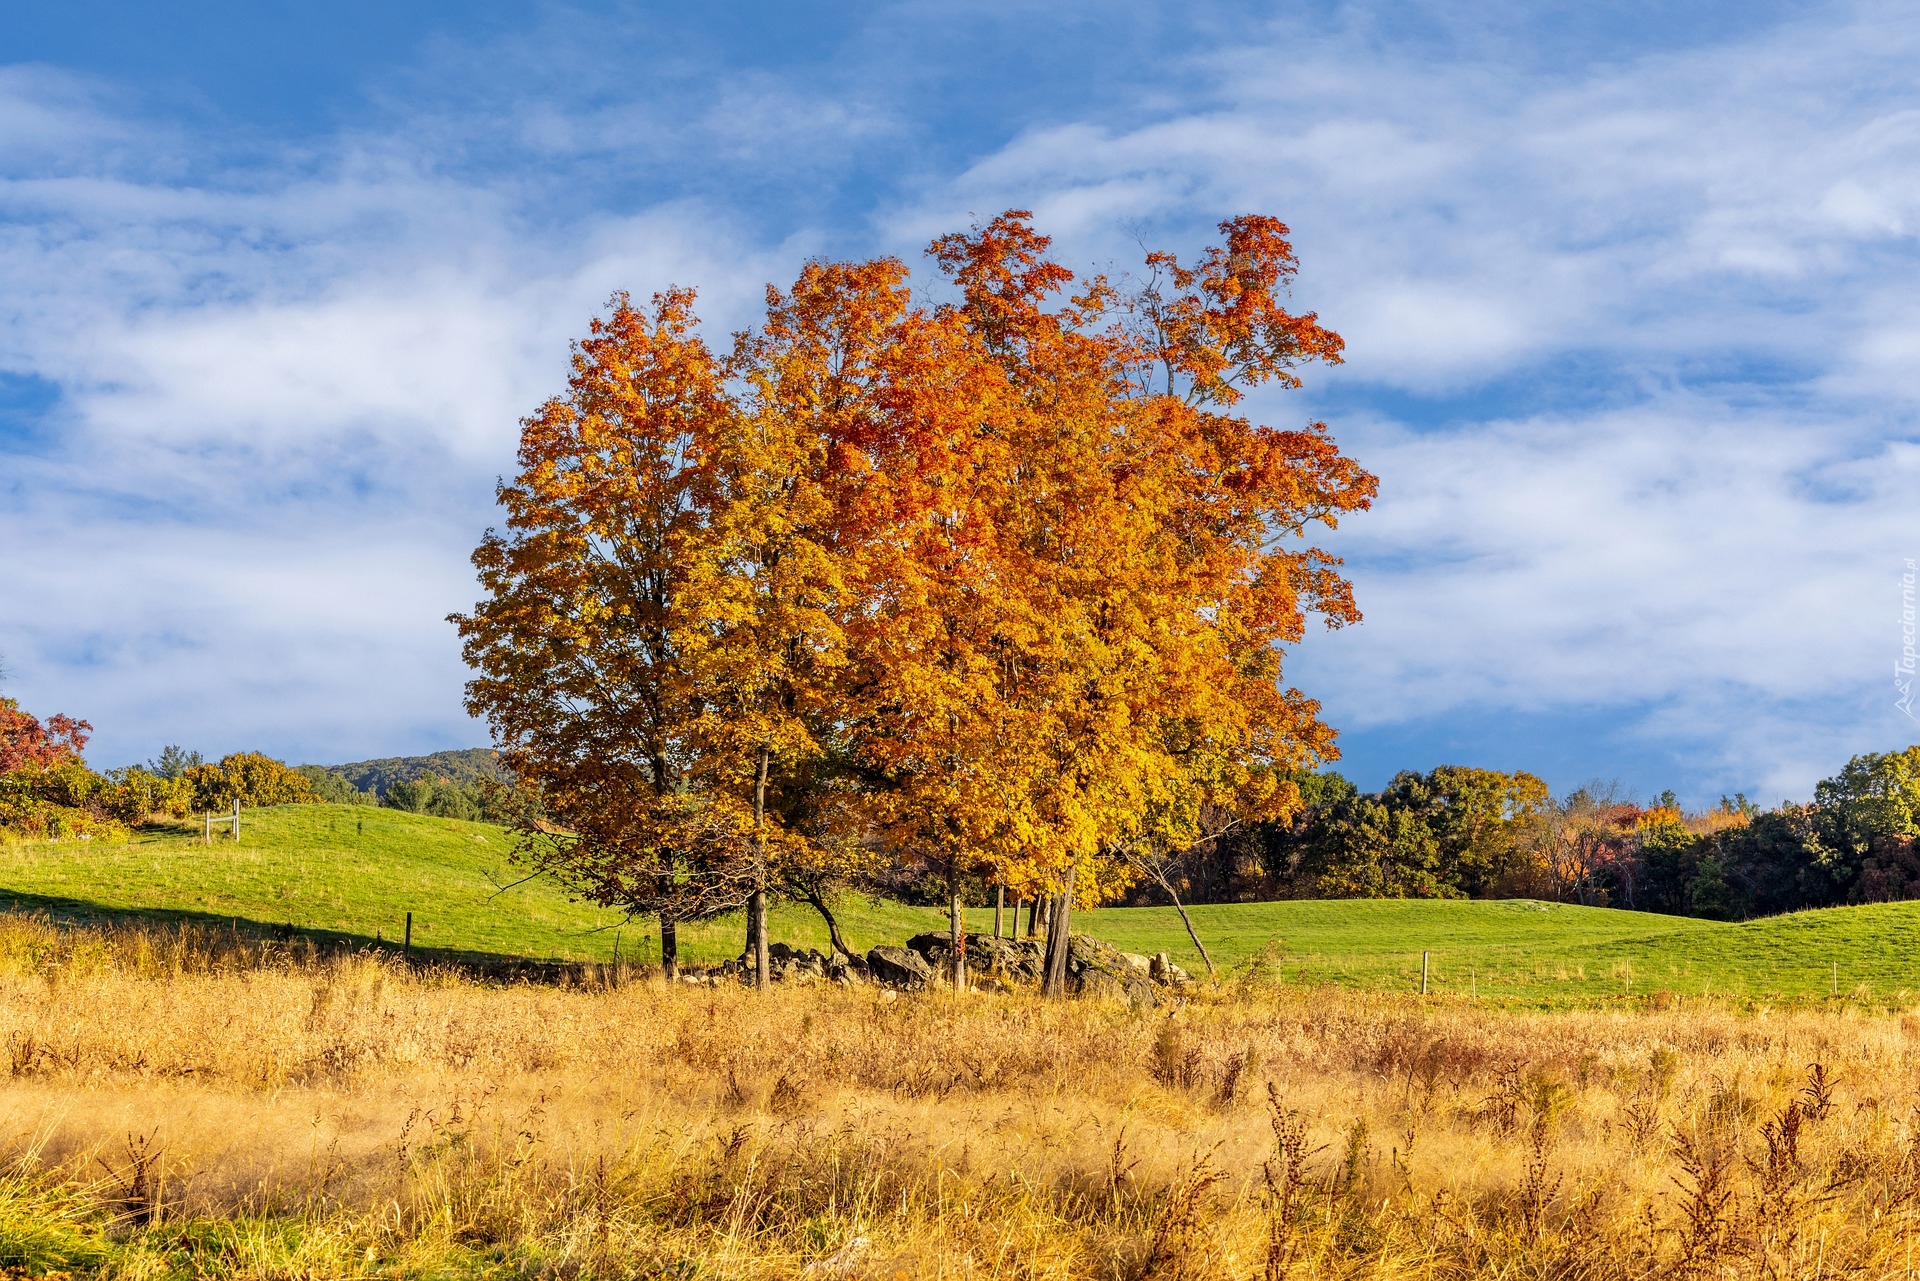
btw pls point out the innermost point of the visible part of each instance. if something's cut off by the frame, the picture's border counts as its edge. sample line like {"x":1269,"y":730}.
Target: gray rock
{"x":1100,"y":986}
{"x":1009,"y":960}
{"x":898,"y":967}
{"x":1102,"y":971}
{"x":1163,"y":971}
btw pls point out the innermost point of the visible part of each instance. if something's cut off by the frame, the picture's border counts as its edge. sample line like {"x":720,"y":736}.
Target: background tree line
{"x":1466,"y":833}
{"x":49,"y":792}
{"x":466,"y":784}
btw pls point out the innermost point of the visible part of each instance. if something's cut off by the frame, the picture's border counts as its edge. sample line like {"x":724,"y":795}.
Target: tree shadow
{"x":72,"y":912}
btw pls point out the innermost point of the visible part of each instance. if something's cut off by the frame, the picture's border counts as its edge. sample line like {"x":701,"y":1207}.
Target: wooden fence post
{"x":406,"y":948}
{"x":1423,"y":973}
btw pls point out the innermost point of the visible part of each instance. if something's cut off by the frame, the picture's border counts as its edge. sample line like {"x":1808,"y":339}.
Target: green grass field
{"x":351,"y":874}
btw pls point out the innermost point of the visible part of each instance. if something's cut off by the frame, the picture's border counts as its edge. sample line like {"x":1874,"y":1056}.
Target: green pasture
{"x":1548,"y":952}
{"x":351,"y":873}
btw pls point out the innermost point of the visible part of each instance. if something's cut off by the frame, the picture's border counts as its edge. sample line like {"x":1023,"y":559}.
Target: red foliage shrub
{"x":24,"y":741}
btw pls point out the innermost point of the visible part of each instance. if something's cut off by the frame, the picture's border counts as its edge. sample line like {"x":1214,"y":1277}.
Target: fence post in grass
{"x":209,"y":827}
{"x":999,"y":903}
{"x":406,"y":948}
{"x":1423,"y":973}
{"x":236,"y":819}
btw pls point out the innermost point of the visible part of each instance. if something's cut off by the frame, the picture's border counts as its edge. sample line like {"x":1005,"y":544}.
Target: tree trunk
{"x":999,"y":902}
{"x":757,"y":904}
{"x":669,"y":948}
{"x":1184,"y":918}
{"x":956,"y":927}
{"x":1059,"y":938}
{"x":1033,"y":916}
{"x":819,"y":904}
{"x":757,"y":939}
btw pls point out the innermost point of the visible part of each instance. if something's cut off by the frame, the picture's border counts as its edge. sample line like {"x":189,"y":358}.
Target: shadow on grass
{"x":488,"y":965}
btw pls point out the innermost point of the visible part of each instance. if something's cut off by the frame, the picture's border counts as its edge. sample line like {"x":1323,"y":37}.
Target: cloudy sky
{"x":1632,"y":305}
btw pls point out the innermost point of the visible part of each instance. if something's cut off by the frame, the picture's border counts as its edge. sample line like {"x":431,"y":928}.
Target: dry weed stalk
{"x":1284,"y":1175}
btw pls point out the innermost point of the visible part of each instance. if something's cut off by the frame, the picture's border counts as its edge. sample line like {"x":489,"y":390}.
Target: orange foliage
{"x":1150,"y":539}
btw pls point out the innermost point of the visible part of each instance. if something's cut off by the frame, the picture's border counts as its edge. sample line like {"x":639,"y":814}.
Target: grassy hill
{"x":353,"y":872}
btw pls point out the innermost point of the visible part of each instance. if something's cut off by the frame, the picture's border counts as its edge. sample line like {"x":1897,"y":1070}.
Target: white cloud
{"x":1685,"y":280}
{"x":1630,"y":345}
{"x":283,"y":400}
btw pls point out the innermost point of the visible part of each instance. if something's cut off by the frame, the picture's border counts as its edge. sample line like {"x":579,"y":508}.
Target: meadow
{"x":182,"y":1103}
{"x":348,"y":875}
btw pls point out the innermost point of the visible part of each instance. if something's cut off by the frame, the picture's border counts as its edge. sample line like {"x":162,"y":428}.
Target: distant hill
{"x":470,"y":765}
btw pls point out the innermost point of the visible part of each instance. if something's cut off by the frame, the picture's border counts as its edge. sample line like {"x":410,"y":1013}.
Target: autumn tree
{"x":1156,"y":539}
{"x":661,"y":641}
{"x":248,"y":778}
{"x":960,"y":582}
{"x":26,"y":741}
{"x":761,"y":632}
{"x":932,"y":481}
{"x":578,"y":644}
{"x":1585,"y":841}
{"x":47,"y":790}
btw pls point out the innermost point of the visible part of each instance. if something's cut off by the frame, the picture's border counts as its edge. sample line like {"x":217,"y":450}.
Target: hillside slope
{"x":353,"y":872}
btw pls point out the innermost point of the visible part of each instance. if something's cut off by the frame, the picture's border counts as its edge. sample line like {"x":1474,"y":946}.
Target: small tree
{"x":250,"y":779}
{"x":1152,"y":541}
{"x":174,"y":761}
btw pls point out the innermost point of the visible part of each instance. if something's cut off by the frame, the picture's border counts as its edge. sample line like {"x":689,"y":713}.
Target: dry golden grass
{"x":197,"y":1106}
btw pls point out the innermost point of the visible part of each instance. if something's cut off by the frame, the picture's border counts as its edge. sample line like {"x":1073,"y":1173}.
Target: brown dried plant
{"x":189,"y":1103}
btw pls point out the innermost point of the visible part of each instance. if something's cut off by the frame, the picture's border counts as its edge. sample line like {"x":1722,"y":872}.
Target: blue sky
{"x":1629,"y":294}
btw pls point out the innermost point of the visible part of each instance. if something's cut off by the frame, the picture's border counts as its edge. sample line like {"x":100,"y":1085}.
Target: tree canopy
{"x":999,"y":585}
